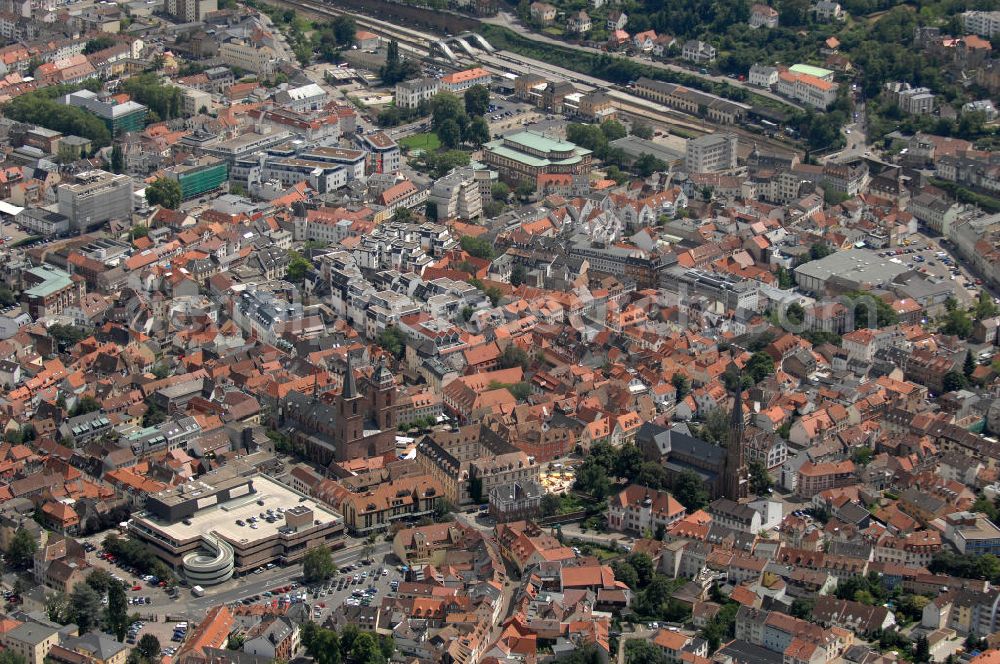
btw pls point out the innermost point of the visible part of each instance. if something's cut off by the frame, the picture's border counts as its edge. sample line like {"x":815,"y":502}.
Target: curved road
{"x":505,"y":20}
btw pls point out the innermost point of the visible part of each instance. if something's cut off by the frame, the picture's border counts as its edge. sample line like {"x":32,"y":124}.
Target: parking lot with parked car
{"x":360,"y":584}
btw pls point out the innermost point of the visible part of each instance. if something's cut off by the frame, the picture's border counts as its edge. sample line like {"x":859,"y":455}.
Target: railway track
{"x":420,"y":44}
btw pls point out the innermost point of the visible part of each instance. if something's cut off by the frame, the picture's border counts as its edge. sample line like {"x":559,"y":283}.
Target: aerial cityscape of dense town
{"x":498,"y":332}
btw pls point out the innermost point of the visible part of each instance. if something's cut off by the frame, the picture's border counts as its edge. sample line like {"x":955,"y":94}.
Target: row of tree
{"x":42,"y":107}
{"x":598,"y":475}
{"x":329,"y":646}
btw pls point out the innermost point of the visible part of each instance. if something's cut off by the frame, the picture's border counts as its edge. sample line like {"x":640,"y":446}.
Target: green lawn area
{"x":427,"y":141}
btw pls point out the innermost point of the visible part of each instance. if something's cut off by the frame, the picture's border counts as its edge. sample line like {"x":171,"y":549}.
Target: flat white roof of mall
{"x":221,"y":519}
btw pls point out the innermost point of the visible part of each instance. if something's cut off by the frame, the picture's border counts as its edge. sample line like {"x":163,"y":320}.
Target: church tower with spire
{"x":736,"y":477}
{"x":383,"y":387}
{"x":349,"y":425}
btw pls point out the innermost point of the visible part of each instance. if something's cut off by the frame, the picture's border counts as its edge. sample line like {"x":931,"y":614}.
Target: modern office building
{"x":712,"y":153}
{"x":523,"y":156}
{"x":96,"y":197}
{"x":353,"y":161}
{"x":224,"y":525}
{"x":198,"y":175}
{"x":119,"y":118}
{"x":324,"y":177}
{"x":383,"y":152}
{"x":236,"y":148}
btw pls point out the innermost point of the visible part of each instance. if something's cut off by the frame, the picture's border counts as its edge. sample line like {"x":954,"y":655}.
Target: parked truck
{"x":198,"y":591}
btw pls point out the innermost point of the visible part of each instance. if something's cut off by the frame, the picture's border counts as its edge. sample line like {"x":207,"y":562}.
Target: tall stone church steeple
{"x":736,"y":479}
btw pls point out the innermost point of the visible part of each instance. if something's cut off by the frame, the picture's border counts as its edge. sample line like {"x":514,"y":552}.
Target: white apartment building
{"x":260,"y":60}
{"x":409,"y":94}
{"x":763,"y":76}
{"x":807,"y":88}
{"x":712,"y":153}
{"x":985,"y":24}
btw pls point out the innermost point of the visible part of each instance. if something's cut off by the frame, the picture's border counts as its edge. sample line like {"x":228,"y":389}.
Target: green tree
{"x":953,"y":380}
{"x":760,"y":480}
{"x":478,"y":132}
{"x":116,"y":617}
{"x":21,"y":552}
{"x":517,"y":275}
{"x":690,"y":490}
{"x":344,"y":29}
{"x":85,"y":607}
{"x":514,"y":356}
{"x":317,"y":565}
{"x":477,"y":101}
{"x":592,"y":478}
{"x":524,"y":191}
{"x":716,"y":426}
{"x":653,"y":475}
{"x":6,"y":296}
{"x":760,"y":366}
{"x":322,"y":644}
{"x":365,"y":650}
{"x":450,"y":134}
{"x":648,"y":164}
{"x":958,"y":323}
{"x":86,"y":404}
{"x":148,"y":647}
{"x":550,"y":504}
{"x":921,"y":649}
{"x":642,"y":130}
{"x":396,"y":68}
{"x":165,"y":192}
{"x":100,"y":580}
{"x":613,"y":130}
{"x":163,"y":99}
{"x":479,"y":247}
{"x":298,"y":267}
{"x":446,"y":106}
{"x":500,"y":191}
{"x":98,"y":44}
{"x":681,"y":384}
{"x":862,"y":455}
{"x":117,"y":159}
{"x":802,"y":607}
{"x":392,"y":340}
{"x":985,"y":307}
{"x":628,"y":461}
{"x":625,"y":573}
{"x":66,"y":335}
{"x":969,"y":366}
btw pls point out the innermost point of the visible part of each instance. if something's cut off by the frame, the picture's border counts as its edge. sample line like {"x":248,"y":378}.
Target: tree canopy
{"x":164,"y":191}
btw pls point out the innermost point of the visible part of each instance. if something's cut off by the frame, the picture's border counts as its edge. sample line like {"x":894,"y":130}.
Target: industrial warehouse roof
{"x":858,"y":265}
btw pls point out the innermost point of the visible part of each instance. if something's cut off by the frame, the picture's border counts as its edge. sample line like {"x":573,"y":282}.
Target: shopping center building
{"x":223,"y":525}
